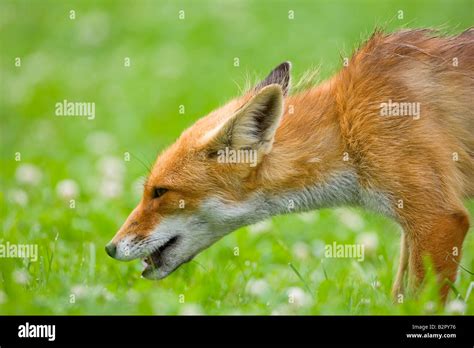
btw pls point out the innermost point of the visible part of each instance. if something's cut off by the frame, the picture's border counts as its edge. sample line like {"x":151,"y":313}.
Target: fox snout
{"x":111,"y":249}
{"x":126,"y":244}
{"x":163,"y":243}
{"x":124,"y":249}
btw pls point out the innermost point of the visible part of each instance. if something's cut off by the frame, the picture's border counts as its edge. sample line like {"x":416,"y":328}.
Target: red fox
{"x":393,"y":132}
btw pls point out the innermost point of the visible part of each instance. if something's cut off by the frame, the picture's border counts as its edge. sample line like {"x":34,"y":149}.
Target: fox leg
{"x":398,"y":286}
{"x":440,"y":237}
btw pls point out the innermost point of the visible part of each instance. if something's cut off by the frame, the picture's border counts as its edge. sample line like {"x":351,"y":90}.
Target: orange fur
{"x":337,"y":127}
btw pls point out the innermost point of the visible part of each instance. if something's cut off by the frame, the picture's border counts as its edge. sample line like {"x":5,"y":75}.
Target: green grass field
{"x":280,"y":267}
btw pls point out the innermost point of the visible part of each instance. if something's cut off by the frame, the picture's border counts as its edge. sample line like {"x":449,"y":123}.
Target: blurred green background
{"x":177,"y":62}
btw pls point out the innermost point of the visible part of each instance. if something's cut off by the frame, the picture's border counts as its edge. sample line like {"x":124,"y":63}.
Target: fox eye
{"x":158,"y":192}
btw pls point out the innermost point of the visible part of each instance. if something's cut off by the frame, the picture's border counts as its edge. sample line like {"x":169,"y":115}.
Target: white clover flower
{"x":28,"y":174}
{"x":111,"y":167}
{"x":111,"y":188}
{"x":456,"y":307}
{"x":83,"y":291}
{"x":21,"y":276}
{"x":301,"y":250}
{"x":350,"y":218}
{"x":80,"y":291}
{"x":298,"y":297}
{"x":18,"y":196}
{"x":67,"y":189}
{"x":369,"y":240}
{"x":191,"y":309}
{"x":261,"y":227}
{"x":100,"y":143}
{"x":282,"y":310}
{"x":257,"y":287}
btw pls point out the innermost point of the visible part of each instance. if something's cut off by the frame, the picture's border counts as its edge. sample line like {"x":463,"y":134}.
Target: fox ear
{"x":280,"y":75}
{"x":253,"y":125}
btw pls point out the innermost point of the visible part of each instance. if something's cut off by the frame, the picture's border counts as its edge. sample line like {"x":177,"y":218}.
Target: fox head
{"x":205,"y":185}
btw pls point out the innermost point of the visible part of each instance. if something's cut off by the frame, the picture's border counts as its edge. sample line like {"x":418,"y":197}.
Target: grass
{"x":279,"y":266}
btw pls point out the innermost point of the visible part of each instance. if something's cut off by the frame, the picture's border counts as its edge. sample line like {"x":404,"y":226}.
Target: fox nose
{"x":111,"y":249}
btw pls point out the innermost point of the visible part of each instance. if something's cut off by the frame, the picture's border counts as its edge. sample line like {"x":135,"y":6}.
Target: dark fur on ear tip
{"x":280,"y":75}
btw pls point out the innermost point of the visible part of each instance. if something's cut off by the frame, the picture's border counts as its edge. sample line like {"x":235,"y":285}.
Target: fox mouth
{"x":156,"y":259}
